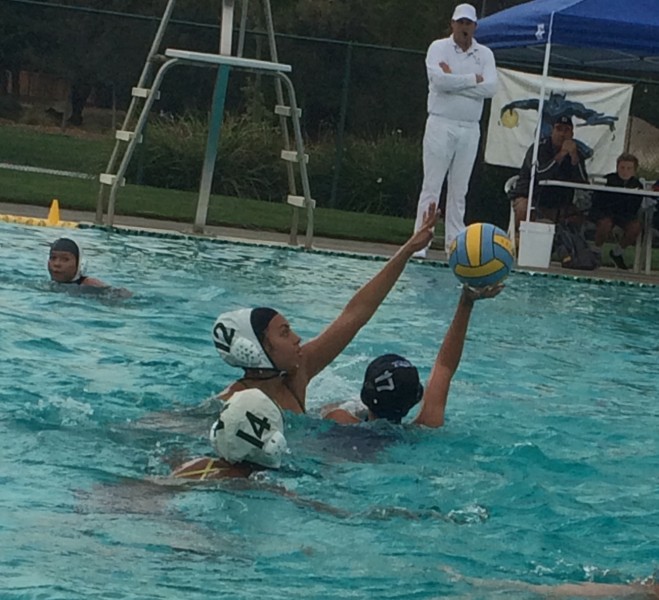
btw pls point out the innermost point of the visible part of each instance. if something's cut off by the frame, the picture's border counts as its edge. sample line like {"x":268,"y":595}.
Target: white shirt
{"x":457,"y":95}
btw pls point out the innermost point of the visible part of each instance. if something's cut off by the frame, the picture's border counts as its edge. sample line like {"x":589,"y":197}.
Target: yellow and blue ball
{"x":481,"y":255}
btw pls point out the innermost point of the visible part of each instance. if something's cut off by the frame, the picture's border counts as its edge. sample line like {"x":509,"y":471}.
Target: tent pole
{"x":541,"y":106}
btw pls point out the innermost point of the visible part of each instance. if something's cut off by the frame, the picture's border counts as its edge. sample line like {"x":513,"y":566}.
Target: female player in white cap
{"x":262,"y":342}
{"x":248,"y":436}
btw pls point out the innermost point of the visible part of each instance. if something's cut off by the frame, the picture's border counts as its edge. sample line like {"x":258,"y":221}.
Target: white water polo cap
{"x":71,"y":246}
{"x":250,"y":429}
{"x":236,"y":338}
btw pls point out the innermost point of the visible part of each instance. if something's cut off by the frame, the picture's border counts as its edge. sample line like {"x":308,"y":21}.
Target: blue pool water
{"x":547,"y":470}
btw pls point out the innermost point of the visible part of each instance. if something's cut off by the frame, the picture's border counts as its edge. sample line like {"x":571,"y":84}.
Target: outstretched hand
{"x":490,"y":291}
{"x":422,"y":238}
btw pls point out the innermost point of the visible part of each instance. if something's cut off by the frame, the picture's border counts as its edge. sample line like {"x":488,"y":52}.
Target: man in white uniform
{"x":461,"y":74}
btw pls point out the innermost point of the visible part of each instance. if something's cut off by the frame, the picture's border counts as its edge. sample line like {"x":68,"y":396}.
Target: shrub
{"x":173,"y":153}
{"x":10,"y":108}
{"x":379,"y":176}
{"x":382,"y":175}
{"x":247,"y":165}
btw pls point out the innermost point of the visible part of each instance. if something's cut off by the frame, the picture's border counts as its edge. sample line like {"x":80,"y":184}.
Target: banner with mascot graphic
{"x":599,"y":112}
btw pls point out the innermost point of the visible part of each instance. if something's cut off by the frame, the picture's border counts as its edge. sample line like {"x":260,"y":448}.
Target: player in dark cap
{"x":391,"y":383}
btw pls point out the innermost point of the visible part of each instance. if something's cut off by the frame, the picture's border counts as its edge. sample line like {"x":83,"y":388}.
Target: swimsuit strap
{"x":203,"y":473}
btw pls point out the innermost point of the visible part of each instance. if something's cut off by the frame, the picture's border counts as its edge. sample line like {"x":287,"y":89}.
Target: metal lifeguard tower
{"x":146,"y":92}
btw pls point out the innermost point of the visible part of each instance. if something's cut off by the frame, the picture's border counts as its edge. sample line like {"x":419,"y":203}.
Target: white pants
{"x":448,"y":146}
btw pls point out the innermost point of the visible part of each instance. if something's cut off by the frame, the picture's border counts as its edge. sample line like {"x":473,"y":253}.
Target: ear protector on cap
{"x":236,"y":342}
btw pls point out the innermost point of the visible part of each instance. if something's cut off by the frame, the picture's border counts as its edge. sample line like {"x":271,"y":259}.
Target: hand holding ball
{"x":481,"y":255}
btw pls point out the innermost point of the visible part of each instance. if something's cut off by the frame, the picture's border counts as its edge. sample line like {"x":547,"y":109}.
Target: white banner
{"x":599,"y":112}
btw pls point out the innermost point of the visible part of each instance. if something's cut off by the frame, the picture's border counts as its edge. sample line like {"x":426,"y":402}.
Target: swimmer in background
{"x":262,"y":342}
{"x":391,"y":383}
{"x":66,"y":266}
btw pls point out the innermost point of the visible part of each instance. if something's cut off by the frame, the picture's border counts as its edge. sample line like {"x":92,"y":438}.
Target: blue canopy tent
{"x":594,"y":34}
{"x":597,"y":35}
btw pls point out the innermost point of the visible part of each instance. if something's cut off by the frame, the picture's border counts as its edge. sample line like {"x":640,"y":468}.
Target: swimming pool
{"x":545,"y":472}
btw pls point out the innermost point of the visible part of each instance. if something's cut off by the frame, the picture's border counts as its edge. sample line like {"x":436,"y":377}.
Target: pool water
{"x":546,"y":471}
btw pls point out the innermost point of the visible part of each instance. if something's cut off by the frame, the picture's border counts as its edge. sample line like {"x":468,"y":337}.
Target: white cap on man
{"x":464,"y":11}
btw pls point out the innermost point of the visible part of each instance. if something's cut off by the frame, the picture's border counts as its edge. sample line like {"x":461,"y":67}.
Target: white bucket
{"x":535,"y":242}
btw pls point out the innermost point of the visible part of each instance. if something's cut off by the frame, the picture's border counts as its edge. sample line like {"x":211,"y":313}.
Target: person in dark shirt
{"x":558,"y":158}
{"x":610,"y":209}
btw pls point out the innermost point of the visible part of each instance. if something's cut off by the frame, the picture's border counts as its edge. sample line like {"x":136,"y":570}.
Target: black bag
{"x":572,"y":249}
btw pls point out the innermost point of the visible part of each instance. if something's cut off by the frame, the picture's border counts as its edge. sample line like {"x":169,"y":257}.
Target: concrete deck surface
{"x":319,"y":243}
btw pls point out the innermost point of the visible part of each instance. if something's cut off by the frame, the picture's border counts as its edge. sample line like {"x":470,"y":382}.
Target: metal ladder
{"x":146,"y":92}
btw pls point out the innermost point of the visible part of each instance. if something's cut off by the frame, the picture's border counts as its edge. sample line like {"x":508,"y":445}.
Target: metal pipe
{"x":541,"y":106}
{"x":139,"y":127}
{"x":144,"y":76}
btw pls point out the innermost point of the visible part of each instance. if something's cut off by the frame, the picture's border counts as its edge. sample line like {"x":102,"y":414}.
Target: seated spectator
{"x":558,"y":158}
{"x":610,"y":209}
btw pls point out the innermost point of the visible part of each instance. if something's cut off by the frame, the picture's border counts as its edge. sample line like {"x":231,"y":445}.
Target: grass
{"x":80,"y":151}
{"x":157,"y":203}
{"x":46,"y":147}
{"x":86,"y":152}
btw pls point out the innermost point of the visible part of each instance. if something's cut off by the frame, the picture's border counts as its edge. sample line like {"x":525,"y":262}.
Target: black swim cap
{"x":391,"y":387}
{"x":66,"y":245}
{"x":259,"y":319}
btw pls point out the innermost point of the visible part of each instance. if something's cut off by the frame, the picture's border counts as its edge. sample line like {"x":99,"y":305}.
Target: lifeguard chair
{"x":146,"y":92}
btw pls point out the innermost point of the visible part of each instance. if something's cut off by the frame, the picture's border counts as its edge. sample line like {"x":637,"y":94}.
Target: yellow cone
{"x":53,"y":213}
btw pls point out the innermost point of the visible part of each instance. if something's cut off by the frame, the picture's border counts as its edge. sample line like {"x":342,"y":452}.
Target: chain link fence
{"x":347,"y":90}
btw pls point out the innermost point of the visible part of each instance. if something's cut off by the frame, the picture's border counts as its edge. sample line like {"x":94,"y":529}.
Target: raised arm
{"x":433,"y":404}
{"x":322,"y":350}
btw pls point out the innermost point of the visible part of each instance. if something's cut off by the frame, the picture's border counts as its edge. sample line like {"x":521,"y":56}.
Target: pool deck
{"x":320,"y":243}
